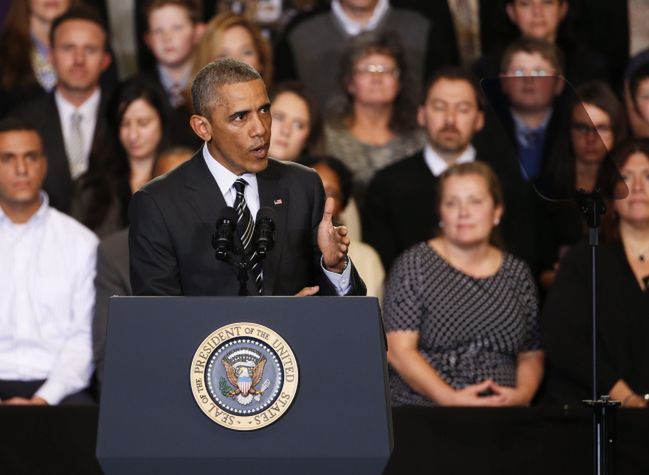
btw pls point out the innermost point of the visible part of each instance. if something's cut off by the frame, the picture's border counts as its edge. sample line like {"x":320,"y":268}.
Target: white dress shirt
{"x":351,"y":26}
{"x":438,"y":165}
{"x":88,"y":111}
{"x":47,"y":271}
{"x":225,"y":180}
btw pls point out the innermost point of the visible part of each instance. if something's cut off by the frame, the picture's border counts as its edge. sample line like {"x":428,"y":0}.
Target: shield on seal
{"x":244,"y":381}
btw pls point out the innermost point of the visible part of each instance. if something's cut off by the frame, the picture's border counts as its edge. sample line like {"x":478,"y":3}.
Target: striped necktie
{"x":245,"y":228}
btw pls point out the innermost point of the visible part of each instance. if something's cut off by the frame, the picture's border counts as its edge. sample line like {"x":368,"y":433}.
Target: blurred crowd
{"x":452,"y":135}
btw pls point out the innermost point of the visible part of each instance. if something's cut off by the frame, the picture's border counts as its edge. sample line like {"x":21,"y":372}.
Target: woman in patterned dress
{"x":461,"y":314}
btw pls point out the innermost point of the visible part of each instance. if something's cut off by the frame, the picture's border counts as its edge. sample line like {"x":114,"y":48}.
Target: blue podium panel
{"x":339,"y":421}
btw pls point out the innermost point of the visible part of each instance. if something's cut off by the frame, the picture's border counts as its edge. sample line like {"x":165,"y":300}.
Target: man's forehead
{"x":246,"y":95}
{"x":77,"y":28}
{"x":18,"y":141}
{"x":452,"y":90}
{"x":529,"y":60}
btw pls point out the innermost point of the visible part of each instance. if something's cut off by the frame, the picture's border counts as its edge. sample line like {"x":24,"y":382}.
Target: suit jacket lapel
{"x":275,"y":195}
{"x":204,"y":196}
{"x":58,"y":181}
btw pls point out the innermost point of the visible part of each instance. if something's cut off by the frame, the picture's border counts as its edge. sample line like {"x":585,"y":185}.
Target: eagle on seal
{"x":244,"y":383}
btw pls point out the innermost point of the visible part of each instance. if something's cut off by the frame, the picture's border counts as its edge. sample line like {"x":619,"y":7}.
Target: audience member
{"x":113,"y":264}
{"x":47,"y":266}
{"x":636,"y":95}
{"x":542,"y":20}
{"x":623,"y":304}
{"x":400,"y":203}
{"x":598,"y":122}
{"x":460,"y":314}
{"x":464,"y":30}
{"x":138,"y":112}
{"x":375,"y":125}
{"x":173,"y":34}
{"x":232,"y":36}
{"x":338,"y":184}
{"x":296,"y":128}
{"x":271,"y":16}
{"x":533,"y":115}
{"x":70,"y":119}
{"x":311,"y":47}
{"x":25,"y":69}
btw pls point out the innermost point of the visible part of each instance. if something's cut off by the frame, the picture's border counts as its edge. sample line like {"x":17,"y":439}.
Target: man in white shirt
{"x":47,"y":267}
{"x":71,"y":119}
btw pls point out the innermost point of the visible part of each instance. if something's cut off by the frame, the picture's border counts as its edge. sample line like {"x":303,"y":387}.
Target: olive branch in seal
{"x":225,"y":388}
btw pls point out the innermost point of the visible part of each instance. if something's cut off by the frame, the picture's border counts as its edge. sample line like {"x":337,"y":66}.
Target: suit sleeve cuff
{"x":342,"y":282}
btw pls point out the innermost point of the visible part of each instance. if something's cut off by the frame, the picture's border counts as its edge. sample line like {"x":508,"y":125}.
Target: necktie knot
{"x":75,"y":118}
{"x":240,"y":185}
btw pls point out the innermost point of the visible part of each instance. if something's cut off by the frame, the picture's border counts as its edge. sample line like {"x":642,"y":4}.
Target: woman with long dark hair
{"x":139,"y":116}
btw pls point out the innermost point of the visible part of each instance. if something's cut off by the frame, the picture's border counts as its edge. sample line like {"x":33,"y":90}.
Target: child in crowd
{"x":172,"y":34}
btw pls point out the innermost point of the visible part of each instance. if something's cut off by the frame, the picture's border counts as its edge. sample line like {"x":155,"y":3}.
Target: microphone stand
{"x":591,"y":205}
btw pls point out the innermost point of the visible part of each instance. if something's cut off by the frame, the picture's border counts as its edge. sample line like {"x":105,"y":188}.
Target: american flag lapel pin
{"x":278,"y":201}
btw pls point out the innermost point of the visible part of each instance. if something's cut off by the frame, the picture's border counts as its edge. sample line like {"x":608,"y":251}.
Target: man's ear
{"x":421,"y":116}
{"x":108,"y":58}
{"x":201,"y":127}
{"x":199,"y":30}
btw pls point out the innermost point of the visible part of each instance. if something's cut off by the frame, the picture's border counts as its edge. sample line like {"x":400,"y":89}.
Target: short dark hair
{"x":637,"y":76}
{"x":80,"y":12}
{"x":212,"y":76}
{"x":11,"y":124}
{"x":339,"y":168}
{"x":454,"y":73}
{"x":548,"y":51}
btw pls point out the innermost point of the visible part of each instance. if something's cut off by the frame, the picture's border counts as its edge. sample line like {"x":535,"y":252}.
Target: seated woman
{"x":460,"y":314}
{"x":138,"y":112}
{"x":295,"y":129}
{"x":597,"y":123}
{"x":623,"y":300}
{"x":374,"y":123}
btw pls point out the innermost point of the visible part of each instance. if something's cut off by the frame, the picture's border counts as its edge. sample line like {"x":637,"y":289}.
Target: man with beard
{"x":400,"y":208}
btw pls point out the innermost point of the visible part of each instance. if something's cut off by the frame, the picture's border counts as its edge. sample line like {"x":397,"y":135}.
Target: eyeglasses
{"x":583,"y":129}
{"x":377,"y":69}
{"x":537,"y":72}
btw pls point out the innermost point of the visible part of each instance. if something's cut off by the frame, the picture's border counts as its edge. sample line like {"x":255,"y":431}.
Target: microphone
{"x":223,"y":239}
{"x":264,"y":228}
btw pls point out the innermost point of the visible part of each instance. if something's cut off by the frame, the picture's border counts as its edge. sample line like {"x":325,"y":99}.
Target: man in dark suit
{"x":401,"y":207}
{"x":71,"y":118}
{"x":172,"y":218}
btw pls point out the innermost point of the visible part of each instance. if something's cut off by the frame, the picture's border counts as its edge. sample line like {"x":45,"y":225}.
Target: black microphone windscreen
{"x":228,"y":213}
{"x":266,"y":212}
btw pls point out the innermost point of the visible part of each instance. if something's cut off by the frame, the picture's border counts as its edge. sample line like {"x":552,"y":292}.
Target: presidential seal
{"x":244,"y":376}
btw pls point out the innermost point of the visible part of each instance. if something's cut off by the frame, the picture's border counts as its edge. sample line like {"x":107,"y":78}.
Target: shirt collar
{"x":88,"y":109}
{"x":351,"y":26}
{"x":438,"y":165}
{"x":37,"y":216}
{"x":167,"y":82}
{"x":225,"y":178}
{"x":522,"y":127}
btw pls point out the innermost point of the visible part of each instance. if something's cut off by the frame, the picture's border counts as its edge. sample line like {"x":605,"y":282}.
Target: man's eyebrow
{"x":265,"y":105}
{"x":238,"y":113}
